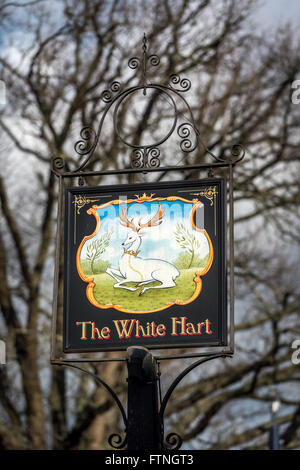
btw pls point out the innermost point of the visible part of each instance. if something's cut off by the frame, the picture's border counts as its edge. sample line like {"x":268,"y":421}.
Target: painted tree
{"x":187,"y":241}
{"x":56,"y":59}
{"x":96,"y":248}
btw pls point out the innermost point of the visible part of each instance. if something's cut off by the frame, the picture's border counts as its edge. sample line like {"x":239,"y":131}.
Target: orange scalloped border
{"x":144,"y":198}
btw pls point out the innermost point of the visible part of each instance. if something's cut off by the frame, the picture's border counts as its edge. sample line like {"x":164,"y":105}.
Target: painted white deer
{"x":133,"y":268}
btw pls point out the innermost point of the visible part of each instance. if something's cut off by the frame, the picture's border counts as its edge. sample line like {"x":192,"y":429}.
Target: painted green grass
{"x":105,"y":293}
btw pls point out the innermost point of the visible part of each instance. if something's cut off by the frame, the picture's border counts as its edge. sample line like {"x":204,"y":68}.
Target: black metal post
{"x":143,"y":424}
{"x":274,"y":437}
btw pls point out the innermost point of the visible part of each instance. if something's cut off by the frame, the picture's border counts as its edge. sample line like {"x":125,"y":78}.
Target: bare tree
{"x":56,"y":61}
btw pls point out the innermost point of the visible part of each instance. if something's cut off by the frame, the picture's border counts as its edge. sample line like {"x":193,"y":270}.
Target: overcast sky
{"x":276,"y":12}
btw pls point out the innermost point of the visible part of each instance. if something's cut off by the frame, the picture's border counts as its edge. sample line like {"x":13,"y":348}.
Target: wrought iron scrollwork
{"x":116,"y":441}
{"x":233,"y":155}
{"x":184,"y":132}
{"x":145,"y":158}
{"x":87,"y":143}
{"x":137,"y":158}
{"x":237,"y":152}
{"x":57,"y":163}
{"x":153,"y":157}
{"x":184,"y":83}
{"x":174,"y":438}
{"x":136,"y":62}
{"x":154,"y":60}
{"x":173,"y":441}
{"x":107,"y":95}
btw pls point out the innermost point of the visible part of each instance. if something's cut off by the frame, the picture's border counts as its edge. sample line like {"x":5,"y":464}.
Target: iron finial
{"x":144,"y":43}
{"x":144,"y":62}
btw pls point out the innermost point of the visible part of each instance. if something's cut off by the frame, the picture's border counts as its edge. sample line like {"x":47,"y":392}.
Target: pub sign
{"x":145,"y":265}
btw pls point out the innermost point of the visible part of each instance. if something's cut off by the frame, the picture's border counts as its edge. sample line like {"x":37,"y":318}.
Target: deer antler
{"x":125,"y":222}
{"x":156,"y":220}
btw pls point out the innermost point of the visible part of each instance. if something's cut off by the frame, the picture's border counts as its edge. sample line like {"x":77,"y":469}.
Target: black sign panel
{"x":145,"y":265}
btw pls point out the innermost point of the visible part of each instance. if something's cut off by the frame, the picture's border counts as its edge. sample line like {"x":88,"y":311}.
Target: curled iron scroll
{"x":135,"y":62}
{"x":116,"y":441}
{"x":154,"y":60}
{"x":57,"y":163}
{"x":137,"y":158}
{"x":143,"y":158}
{"x":184,"y":132}
{"x":173,"y":441}
{"x":88,"y":141}
{"x":184,"y":83}
{"x":237,"y":152}
{"x":107,"y":95}
{"x":153,"y":157}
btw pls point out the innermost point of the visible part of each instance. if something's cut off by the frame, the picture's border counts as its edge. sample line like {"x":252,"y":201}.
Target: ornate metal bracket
{"x":147,"y":156}
{"x":115,"y":440}
{"x":173,"y":440}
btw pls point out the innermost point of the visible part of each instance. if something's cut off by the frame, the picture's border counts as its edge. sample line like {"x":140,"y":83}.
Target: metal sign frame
{"x":93,"y":303}
{"x":145,"y":159}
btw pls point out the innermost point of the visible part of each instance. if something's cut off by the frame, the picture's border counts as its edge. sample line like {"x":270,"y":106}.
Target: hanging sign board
{"x":145,"y":265}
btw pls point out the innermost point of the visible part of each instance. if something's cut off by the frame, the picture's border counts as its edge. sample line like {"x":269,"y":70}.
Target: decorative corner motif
{"x":79,"y":202}
{"x":209,"y":193}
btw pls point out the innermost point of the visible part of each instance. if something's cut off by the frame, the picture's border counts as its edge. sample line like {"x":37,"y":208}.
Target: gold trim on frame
{"x":140,"y":199}
{"x":79,"y":202}
{"x":209,"y":193}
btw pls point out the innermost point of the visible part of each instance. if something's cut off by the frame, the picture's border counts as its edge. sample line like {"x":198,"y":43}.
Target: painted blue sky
{"x":157,"y":242}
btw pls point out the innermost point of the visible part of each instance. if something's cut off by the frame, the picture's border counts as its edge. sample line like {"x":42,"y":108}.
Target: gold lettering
{"x":83,"y":330}
{"x":126,"y":331}
{"x":208,"y":330}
